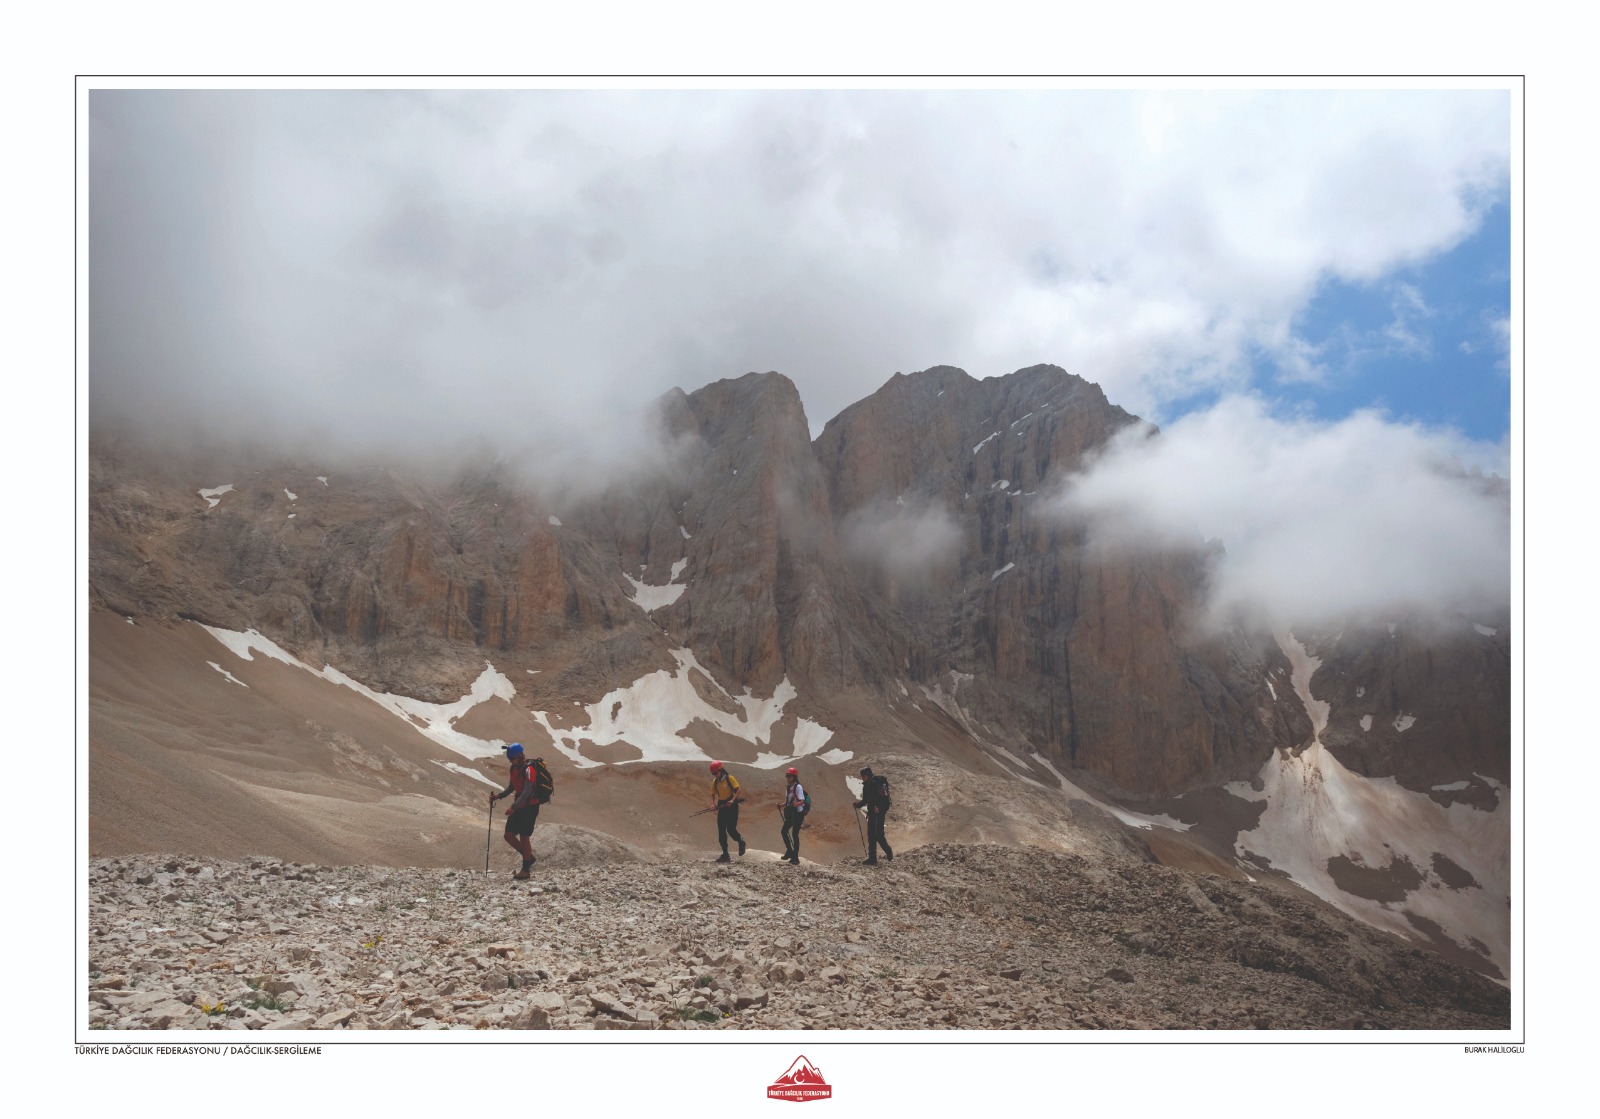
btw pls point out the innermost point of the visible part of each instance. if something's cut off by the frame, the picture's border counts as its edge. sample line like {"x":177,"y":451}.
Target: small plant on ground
{"x":267,"y":1002}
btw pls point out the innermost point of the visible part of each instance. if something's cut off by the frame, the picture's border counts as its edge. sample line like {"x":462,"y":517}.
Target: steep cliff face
{"x":910,"y":546}
{"x":743,"y":524}
{"x":402,"y":584}
{"x":1425,"y":702}
{"x":1084,"y":654}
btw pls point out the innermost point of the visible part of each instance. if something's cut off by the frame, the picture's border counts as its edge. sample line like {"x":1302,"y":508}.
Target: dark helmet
{"x":866,"y":771}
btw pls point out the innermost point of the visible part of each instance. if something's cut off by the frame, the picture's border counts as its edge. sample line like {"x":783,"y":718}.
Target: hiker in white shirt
{"x":795,"y":805}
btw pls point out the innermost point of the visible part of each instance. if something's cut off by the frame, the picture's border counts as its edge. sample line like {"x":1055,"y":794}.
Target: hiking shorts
{"x":522,"y":820}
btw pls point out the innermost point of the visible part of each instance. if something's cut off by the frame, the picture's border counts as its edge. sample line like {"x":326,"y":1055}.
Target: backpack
{"x":544,"y":785}
{"x":882,"y":785}
{"x":805,"y":809}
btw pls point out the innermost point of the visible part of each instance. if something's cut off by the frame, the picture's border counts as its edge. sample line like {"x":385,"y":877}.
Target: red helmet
{"x":792,"y":771}
{"x":715,"y":766}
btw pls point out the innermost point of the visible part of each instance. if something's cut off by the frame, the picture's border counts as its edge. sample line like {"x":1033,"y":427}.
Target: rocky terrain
{"x":943,"y":937}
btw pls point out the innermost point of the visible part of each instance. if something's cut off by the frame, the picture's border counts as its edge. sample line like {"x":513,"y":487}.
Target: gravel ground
{"x":944,"y":937}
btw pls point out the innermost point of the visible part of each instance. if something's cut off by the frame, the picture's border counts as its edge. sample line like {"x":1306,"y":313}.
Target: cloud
{"x":906,"y":542}
{"x":406,"y":269}
{"x":1318,"y":521}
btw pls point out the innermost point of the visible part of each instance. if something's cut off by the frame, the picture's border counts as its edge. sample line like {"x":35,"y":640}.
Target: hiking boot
{"x":521,"y":875}
{"x":741,"y":848}
{"x":889,"y":855}
{"x":869,"y":862}
{"x":723,"y":858}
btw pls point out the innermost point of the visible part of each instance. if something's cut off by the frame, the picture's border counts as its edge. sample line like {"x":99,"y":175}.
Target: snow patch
{"x":1302,"y":667}
{"x":979,"y":447}
{"x":323,"y":478}
{"x":1318,"y":810}
{"x":292,"y":497}
{"x":555,"y":520}
{"x":1366,"y":722}
{"x":1273,"y":690}
{"x":1405,"y":722}
{"x":1001,"y":572}
{"x":1452,"y":788}
{"x":854,"y":785}
{"x":433,"y":720}
{"x":228,"y":674}
{"x":1132,"y":819}
{"x":1360,"y":692}
{"x":648,"y":598}
{"x":685,"y":532}
{"x":214,"y":494}
{"x":652,"y":713}
{"x":1487,"y":631}
{"x":809,"y":737}
{"x":465,"y":772}
{"x":127,"y":619}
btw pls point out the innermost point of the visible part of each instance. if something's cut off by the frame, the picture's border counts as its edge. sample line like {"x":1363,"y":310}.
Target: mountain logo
{"x":802,"y":1083}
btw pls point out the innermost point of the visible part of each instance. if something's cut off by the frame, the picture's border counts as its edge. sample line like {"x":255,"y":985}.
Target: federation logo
{"x":802,"y":1083}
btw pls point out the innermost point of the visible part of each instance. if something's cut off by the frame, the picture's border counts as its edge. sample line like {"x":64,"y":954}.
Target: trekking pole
{"x":857,"y":814}
{"x":487,"y":839}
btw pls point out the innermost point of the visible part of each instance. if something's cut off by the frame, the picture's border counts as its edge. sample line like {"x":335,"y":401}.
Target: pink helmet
{"x":716,"y":767}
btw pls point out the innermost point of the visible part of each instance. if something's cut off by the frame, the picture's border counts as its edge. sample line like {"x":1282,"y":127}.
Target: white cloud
{"x":908,"y":542}
{"x":1318,"y":520}
{"x":517,"y":267}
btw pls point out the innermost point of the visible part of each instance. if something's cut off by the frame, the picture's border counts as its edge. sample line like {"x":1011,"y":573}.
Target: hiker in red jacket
{"x":524,"y":810}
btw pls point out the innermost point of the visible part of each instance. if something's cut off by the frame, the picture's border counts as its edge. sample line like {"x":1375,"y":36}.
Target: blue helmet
{"x":514,"y":750}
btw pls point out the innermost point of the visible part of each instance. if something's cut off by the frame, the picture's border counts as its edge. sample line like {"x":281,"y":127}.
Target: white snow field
{"x":214,"y":494}
{"x":651,"y":713}
{"x":465,"y":772}
{"x":228,"y":674}
{"x":1317,"y":810}
{"x":648,"y":598}
{"x":648,"y":714}
{"x":431,"y":719}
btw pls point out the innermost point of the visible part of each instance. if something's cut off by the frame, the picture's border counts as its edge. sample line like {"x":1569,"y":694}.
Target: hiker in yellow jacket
{"x":725,"y":796}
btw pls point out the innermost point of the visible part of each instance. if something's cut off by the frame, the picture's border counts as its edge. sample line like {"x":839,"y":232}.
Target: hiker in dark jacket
{"x":524,"y":810}
{"x":725,"y":796}
{"x":875,"y":797}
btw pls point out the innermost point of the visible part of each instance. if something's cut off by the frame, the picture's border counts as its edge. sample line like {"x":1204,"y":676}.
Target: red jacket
{"x":522,"y":784}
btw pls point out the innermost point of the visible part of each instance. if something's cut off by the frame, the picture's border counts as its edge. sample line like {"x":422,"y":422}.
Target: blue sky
{"x":1426,"y":343}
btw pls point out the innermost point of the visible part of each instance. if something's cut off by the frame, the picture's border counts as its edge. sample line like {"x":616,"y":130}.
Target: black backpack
{"x":882,"y":785}
{"x":544,"y":785}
